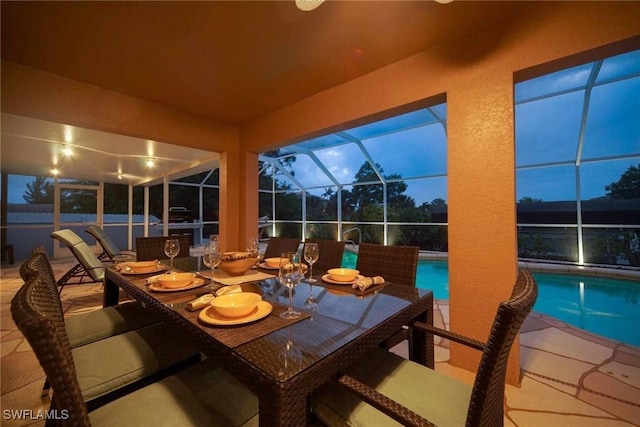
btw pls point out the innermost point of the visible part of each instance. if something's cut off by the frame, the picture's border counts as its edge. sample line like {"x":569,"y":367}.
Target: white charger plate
{"x":157,"y":287}
{"x":210,"y":315}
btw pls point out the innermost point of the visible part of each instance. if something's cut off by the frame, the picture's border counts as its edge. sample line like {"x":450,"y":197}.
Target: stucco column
{"x":482,"y":210}
{"x":249,"y":203}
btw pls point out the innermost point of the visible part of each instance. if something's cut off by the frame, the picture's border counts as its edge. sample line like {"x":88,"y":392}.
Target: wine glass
{"x":311,"y":304}
{"x":252,"y":246}
{"x":211,"y":257}
{"x":290,"y":274}
{"x":171,"y":249}
{"x":311,"y":255}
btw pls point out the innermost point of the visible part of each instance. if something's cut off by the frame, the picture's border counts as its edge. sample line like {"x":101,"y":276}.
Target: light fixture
{"x":119,"y":175}
{"x":443,"y":1}
{"x":150,"y":162}
{"x":308,"y":5}
{"x":67,"y":151}
{"x":55,"y":172}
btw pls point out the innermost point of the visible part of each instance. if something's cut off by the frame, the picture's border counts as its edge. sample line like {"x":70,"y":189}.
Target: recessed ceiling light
{"x":67,"y":151}
{"x":150,"y":163}
{"x":55,"y":172}
{"x":308,"y":5}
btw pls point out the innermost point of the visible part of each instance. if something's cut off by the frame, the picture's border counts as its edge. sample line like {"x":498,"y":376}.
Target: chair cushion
{"x":202,"y":395}
{"x":106,"y":322}
{"x":105,"y":365}
{"x":440,"y":399}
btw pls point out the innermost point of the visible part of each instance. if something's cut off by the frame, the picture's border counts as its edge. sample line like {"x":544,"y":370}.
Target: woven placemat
{"x":235,"y":335}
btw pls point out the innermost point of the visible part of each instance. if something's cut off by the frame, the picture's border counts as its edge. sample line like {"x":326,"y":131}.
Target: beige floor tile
{"x":558,"y":342}
{"x":554,"y":366}
{"x":543,"y":419}
{"x":627,"y":374}
{"x":630,"y":413}
{"x":535,"y":396}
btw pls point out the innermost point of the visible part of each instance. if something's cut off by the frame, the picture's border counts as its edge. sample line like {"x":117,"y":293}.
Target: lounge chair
{"x":89,"y":266}
{"x":110,"y":250}
{"x":383,"y":389}
{"x":203,"y":394}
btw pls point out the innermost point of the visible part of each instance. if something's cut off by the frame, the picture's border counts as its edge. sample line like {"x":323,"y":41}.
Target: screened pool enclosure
{"x":577,"y":134}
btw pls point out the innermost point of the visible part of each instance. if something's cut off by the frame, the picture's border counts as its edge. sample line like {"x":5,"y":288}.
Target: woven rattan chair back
{"x":150,"y":248}
{"x":487,"y":398}
{"x":109,"y":248}
{"x":330,"y":254}
{"x":278,"y":245}
{"x":30,"y":309}
{"x":397,"y":264}
{"x":39,"y":263}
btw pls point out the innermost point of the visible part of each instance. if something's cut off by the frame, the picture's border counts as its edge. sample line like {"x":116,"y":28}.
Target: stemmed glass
{"x":171,"y":249}
{"x":252,"y":247}
{"x":311,"y":304}
{"x":311,"y":255}
{"x":211,"y":257}
{"x":290,"y":274}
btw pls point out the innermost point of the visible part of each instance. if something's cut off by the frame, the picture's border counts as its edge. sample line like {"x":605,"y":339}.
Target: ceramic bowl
{"x":237,"y":267}
{"x":176,"y":280}
{"x":143,"y":266}
{"x":273,"y":262}
{"x":236,"y":305}
{"x":343,"y":274}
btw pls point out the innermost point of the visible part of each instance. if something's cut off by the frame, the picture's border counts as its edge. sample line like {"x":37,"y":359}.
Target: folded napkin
{"x":200,"y":302}
{"x":365,"y":282}
{"x":249,"y":276}
{"x":204,"y":300}
{"x":153,"y":279}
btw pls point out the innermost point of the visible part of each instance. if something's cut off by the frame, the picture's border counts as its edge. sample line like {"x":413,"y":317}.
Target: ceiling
{"x":231,"y":61}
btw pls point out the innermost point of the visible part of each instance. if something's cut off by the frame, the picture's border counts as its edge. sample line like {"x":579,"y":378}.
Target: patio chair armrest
{"x":381,"y":402}
{"x":460,"y":339}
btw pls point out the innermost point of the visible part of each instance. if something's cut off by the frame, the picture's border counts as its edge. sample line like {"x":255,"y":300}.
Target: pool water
{"x":605,"y":306}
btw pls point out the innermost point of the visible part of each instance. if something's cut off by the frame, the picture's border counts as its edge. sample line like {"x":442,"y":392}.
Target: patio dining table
{"x":282,"y":361}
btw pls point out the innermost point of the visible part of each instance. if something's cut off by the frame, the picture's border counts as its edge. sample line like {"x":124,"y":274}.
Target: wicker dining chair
{"x":85,"y":327}
{"x":150,"y":248}
{"x":112,"y":365}
{"x":93,"y":325}
{"x":89,"y":266}
{"x":414,"y":395}
{"x":202,"y":394}
{"x":110,"y":250}
{"x":397,"y":264}
{"x":330,"y":254}
{"x":277,"y":245}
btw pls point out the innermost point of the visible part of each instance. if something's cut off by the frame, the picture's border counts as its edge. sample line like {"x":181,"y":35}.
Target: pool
{"x":605,"y":306}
